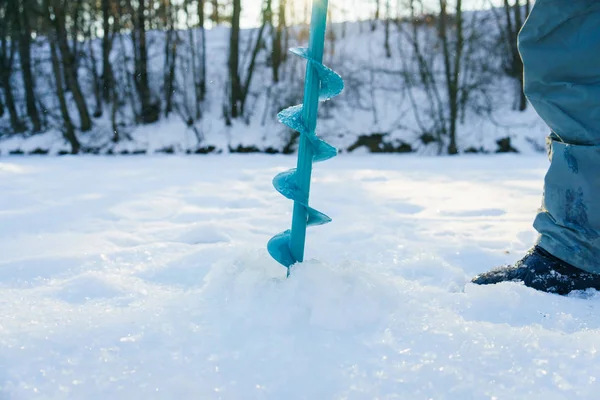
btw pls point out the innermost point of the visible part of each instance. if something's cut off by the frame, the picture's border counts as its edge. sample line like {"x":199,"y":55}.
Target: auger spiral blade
{"x":321,"y":84}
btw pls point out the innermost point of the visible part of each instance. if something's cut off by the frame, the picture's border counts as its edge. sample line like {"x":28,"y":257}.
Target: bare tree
{"x":420,"y":39}
{"x":193,"y":59}
{"x":127,"y":91}
{"x":75,"y":14}
{"x":170,"y":56}
{"x":107,"y":40}
{"x":447,"y":68}
{"x":513,"y":65}
{"x":8,"y":14}
{"x":23,"y":36}
{"x":388,"y":17}
{"x":93,"y":68}
{"x":277,"y":45}
{"x":235,"y":87}
{"x":150,"y":108}
{"x":56,"y":15}
{"x":201,"y":83}
{"x":452,"y":64}
{"x":239,"y":91}
{"x":68,"y":128}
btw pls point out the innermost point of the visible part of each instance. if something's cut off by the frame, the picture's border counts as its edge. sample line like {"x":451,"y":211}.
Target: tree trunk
{"x":388,"y":16}
{"x":24,"y":38}
{"x":107,"y":74}
{"x":98,"y":82}
{"x":452,"y":148}
{"x":170,"y":59}
{"x":113,"y":115}
{"x":277,"y":41}
{"x":515,"y":67}
{"x":194,"y":60}
{"x":68,"y":129}
{"x":522,"y":98}
{"x":235,"y":88}
{"x":452,"y":67}
{"x":517,"y":56}
{"x":150,"y":109}
{"x":75,"y":29}
{"x":69,"y":65}
{"x":15,"y":121}
{"x":171,"y":77}
{"x":127,"y":82}
{"x":201,"y":17}
{"x":7,"y":56}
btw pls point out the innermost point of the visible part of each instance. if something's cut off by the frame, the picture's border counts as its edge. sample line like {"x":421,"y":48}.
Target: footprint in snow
{"x":486,"y":212}
{"x":405,"y":208}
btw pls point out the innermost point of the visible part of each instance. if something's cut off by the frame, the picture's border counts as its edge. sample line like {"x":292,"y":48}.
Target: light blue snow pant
{"x":560,"y":47}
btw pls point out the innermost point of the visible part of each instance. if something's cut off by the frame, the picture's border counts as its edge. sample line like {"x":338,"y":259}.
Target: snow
{"x":148,"y":278}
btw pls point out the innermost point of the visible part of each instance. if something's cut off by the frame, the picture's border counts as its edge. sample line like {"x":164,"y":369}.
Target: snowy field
{"x":148,"y":278}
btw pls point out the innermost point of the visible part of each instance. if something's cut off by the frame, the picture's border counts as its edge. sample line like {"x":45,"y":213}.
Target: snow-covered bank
{"x":383,"y":100}
{"x":130,"y":278}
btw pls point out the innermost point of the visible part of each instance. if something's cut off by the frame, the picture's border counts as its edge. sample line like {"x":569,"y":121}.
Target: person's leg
{"x":560,"y":47}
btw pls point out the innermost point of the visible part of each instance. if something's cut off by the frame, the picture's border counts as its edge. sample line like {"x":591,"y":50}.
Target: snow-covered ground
{"x":147,"y":278}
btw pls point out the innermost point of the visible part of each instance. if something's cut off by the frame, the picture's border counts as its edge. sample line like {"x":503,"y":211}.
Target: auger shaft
{"x":309,"y":116}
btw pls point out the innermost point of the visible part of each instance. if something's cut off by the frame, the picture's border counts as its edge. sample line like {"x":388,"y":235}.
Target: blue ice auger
{"x":321,"y":84}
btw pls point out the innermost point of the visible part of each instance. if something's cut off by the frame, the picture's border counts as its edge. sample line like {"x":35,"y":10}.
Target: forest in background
{"x":92,"y":74}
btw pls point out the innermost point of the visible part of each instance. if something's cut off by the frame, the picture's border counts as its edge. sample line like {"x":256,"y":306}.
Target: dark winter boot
{"x":542,"y":271}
